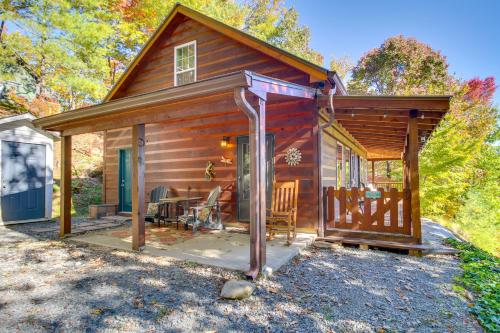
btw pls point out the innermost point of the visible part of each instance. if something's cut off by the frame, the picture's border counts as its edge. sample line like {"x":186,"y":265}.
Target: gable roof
{"x":315,"y":71}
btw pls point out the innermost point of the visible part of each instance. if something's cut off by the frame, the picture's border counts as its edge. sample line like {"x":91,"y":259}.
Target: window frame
{"x":186,"y":70}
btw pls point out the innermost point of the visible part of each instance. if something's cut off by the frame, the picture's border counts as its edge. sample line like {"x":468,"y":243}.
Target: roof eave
{"x":199,"y":88}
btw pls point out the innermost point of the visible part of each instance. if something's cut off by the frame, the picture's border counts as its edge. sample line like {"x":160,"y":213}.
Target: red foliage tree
{"x":481,"y":90}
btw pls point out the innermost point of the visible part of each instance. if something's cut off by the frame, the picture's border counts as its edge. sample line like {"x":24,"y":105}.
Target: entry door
{"x":243,"y":152}
{"x":125,"y":181}
{"x":23,"y":181}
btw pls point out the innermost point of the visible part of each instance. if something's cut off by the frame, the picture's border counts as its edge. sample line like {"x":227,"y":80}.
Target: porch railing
{"x":388,"y":185}
{"x":354,"y":210}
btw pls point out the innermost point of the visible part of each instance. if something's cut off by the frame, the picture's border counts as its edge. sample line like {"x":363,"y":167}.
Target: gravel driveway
{"x":49,"y":285}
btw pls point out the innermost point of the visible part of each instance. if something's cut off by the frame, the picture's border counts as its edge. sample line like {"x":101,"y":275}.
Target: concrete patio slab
{"x":230,"y":250}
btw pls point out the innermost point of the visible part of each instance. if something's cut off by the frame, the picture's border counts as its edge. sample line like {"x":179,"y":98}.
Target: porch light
{"x":224,"y":142}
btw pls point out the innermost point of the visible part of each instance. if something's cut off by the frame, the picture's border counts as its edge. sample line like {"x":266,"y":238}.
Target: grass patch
{"x":482,"y":278}
{"x":163,"y":312}
{"x":86,"y":191}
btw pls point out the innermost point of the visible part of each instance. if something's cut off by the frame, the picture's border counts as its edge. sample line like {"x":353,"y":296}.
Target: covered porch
{"x":188,"y":107}
{"x":389,"y":128}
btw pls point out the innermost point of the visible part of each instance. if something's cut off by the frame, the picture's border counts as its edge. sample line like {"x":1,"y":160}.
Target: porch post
{"x":373,"y":172}
{"x":65,"y":200}
{"x":413,"y":174}
{"x":138,"y":224}
{"x":262,"y":183}
{"x":257,"y":143}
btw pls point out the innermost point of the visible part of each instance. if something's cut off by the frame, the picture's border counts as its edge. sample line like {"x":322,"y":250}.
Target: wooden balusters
{"x":375,"y":215}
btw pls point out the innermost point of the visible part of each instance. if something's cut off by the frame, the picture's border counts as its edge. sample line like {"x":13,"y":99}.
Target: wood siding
{"x":216,"y":55}
{"x":328,"y":160}
{"x":177,"y":151}
{"x":328,"y":141}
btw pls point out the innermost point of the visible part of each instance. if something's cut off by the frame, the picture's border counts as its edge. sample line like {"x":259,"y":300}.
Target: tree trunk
{"x":2,"y":26}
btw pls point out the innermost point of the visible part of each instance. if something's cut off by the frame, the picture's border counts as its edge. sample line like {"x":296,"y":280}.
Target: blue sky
{"x":466,"y":32}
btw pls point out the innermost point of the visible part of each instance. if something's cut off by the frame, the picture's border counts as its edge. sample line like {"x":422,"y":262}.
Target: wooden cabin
{"x":202,"y":91}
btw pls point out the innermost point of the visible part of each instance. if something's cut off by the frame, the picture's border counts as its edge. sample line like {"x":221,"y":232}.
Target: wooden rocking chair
{"x":282,"y":217}
{"x":203,"y":215}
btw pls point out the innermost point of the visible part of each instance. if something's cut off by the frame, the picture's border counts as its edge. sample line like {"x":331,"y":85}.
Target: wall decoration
{"x":226,"y":161}
{"x":209,"y":171}
{"x":293,"y":156}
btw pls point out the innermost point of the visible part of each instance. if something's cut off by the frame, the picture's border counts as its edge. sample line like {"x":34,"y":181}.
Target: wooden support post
{"x":324,"y":212}
{"x":318,"y":171}
{"x":413,"y":175}
{"x":65,"y":200}
{"x":405,"y":172}
{"x":104,"y":157}
{"x":257,"y":143}
{"x":262,"y":182}
{"x":138,"y":193}
{"x":373,"y":172}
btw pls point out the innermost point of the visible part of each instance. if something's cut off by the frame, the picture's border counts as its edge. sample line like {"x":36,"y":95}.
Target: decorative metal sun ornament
{"x":293,"y":156}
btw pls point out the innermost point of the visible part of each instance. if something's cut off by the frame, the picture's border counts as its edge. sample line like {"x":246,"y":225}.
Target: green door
{"x":125,"y":181}
{"x":243,"y":156}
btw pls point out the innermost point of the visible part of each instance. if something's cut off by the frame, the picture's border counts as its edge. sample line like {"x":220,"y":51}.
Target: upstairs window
{"x":185,"y":63}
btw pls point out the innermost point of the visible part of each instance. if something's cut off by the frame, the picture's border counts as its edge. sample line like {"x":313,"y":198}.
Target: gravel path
{"x":49,"y":285}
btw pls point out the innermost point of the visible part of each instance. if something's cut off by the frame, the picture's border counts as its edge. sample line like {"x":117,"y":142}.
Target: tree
{"x":402,"y":66}
{"x":77,"y":49}
{"x":271,"y":21}
{"x":342,"y":66}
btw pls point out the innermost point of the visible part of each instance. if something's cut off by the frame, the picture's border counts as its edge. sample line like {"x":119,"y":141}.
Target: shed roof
{"x":24,"y":119}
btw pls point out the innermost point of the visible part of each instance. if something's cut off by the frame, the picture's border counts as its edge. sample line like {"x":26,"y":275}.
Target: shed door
{"x":243,"y":154}
{"x":23,"y":181}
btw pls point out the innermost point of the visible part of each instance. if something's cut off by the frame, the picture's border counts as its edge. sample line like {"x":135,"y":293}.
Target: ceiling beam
{"x":421,"y":103}
{"x":392,"y":113}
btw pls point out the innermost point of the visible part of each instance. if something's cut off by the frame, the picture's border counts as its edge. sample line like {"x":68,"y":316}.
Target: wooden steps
{"x":365,"y":244}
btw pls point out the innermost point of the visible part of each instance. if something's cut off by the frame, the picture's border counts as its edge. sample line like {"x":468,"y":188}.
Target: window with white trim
{"x":185,"y":63}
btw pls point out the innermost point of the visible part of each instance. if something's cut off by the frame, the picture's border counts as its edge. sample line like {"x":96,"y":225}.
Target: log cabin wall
{"x":177,"y":152}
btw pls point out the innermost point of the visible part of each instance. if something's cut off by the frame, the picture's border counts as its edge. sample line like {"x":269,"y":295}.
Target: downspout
{"x":253,"y":118}
{"x":331,"y":111}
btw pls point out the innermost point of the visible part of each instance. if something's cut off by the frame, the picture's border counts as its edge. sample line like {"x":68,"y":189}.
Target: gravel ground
{"x":48,"y":285}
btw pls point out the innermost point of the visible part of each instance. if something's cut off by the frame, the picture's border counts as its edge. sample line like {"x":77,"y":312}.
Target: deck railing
{"x":355,"y":210}
{"x":388,"y":185}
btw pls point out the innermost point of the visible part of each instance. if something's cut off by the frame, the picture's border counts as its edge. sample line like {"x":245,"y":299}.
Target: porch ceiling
{"x":380,"y":123}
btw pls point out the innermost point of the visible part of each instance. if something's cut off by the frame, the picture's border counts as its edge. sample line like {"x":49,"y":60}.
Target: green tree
{"x":342,"y":66}
{"x":77,"y":49}
{"x":273,"y":22}
{"x":402,"y":66}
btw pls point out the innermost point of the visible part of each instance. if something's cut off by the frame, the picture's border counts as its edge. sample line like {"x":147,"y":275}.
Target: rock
{"x":267,"y":272}
{"x":138,"y":303}
{"x":237,"y":289}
